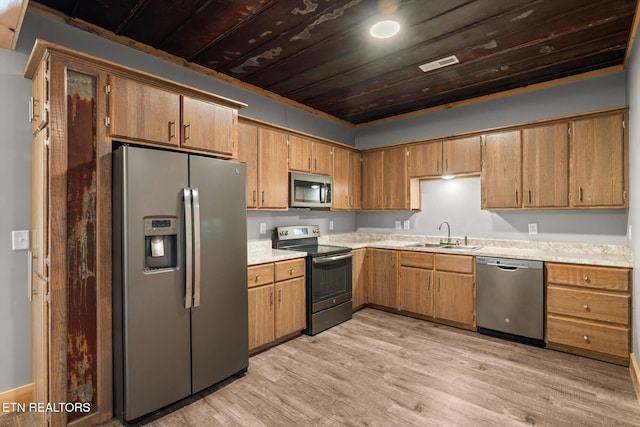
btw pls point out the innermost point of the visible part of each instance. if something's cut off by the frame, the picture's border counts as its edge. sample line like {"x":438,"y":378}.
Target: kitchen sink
{"x":429,"y":245}
{"x":445,"y":246}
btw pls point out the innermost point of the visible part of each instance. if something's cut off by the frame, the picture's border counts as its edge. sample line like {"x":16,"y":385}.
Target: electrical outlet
{"x":20,"y":240}
{"x":406,"y":225}
{"x":331,"y":225}
{"x":533,"y":228}
{"x":263,"y":228}
{"x":398,"y":225}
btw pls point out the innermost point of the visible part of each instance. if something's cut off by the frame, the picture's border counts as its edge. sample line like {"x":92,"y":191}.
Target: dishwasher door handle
{"x":507,"y":267}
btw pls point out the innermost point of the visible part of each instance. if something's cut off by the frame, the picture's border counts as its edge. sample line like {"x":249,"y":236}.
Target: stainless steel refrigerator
{"x":179,"y":277}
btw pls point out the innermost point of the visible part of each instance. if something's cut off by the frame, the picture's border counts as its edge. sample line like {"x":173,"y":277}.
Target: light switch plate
{"x":331,"y":225}
{"x":263,"y":228}
{"x":20,"y":240}
{"x":533,"y":228}
{"x":398,"y":225}
{"x":406,"y":225}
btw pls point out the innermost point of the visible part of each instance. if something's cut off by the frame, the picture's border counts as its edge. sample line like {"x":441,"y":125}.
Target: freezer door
{"x":219,"y":318}
{"x":155,"y":337}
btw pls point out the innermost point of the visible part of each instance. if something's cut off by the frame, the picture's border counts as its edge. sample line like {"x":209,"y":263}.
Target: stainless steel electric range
{"x":328,"y":278}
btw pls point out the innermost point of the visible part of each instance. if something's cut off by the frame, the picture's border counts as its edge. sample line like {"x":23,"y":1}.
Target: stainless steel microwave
{"x":309,"y":190}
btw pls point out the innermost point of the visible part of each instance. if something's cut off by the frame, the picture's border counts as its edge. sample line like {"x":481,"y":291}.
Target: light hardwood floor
{"x":381,"y":369}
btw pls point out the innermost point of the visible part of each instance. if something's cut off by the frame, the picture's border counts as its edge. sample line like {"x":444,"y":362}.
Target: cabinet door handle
{"x":580,"y":194}
{"x":438,"y":165}
{"x":172,"y":129}
{"x":446,"y":165}
{"x":271,"y":298}
{"x":187,"y":131}
{"x":529,"y":196}
{"x":279,"y":295}
{"x":263,"y":197}
{"x":255,"y":196}
{"x":428,"y":283}
{"x":315,"y":164}
{"x":309,"y":159}
{"x":516,"y":197}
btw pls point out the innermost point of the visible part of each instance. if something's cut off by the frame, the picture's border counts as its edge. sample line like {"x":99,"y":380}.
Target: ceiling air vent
{"x":442,"y":62}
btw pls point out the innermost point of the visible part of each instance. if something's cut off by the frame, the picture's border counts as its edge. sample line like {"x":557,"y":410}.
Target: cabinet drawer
{"x":258,"y":275}
{"x":589,"y":276}
{"x":603,"y":306}
{"x":456,"y":263}
{"x":416,"y":259}
{"x":613,"y":340}
{"x":289,"y":269}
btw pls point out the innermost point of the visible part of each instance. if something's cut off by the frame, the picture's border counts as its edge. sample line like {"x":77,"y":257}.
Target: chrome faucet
{"x":448,"y":231}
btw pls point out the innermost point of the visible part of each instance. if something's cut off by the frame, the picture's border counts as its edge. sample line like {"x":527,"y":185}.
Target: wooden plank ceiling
{"x":319,"y":52}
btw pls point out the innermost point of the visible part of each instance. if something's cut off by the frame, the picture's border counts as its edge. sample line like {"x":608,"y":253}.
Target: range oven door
{"x":330,"y":281}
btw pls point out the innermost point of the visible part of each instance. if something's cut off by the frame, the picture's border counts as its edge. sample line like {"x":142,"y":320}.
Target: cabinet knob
{"x":257,"y":277}
{"x":585,"y":278}
{"x":586,"y":338}
{"x":585,"y":306}
{"x":291,"y":270}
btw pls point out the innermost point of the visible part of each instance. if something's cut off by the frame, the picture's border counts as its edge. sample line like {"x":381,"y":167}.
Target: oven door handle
{"x":328,"y":259}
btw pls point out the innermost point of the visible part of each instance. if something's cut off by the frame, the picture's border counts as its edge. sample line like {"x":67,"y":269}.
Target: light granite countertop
{"x":260,"y":252}
{"x":573,"y":253}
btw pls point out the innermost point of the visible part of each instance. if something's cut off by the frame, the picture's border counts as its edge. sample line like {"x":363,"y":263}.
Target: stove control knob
{"x":316,"y":230}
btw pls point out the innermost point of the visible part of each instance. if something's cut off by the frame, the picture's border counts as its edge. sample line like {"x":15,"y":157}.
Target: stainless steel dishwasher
{"x":510,"y":299}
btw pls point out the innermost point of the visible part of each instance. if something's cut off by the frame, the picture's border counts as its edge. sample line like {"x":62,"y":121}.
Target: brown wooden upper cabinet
{"x":599,"y":159}
{"x":209,"y":127}
{"x":347,"y":179}
{"x":395,"y":182}
{"x":143,"y":112}
{"x":545,"y":166}
{"x":264,"y":151}
{"x":451,"y":156}
{"x":311,"y":156}
{"x":372,"y":180}
{"x":502,"y":170}
{"x":248,"y":153}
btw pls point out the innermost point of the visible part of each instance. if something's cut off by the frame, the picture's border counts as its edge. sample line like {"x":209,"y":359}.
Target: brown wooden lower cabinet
{"x":455,"y":292}
{"x":589,"y":311}
{"x":440,"y":287}
{"x":276,"y":301}
{"x":415,"y":283}
{"x":358,"y":278}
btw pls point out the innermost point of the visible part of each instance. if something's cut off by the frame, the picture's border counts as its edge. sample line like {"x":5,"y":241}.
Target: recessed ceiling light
{"x":384,"y":29}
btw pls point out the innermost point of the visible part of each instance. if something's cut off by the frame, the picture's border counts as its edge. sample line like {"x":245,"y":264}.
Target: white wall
{"x":15,"y":187}
{"x":458,"y":202}
{"x":633,"y":91}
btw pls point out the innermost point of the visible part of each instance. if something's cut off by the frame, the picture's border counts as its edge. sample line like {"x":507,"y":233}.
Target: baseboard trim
{"x":635,"y":375}
{"x":23,"y":394}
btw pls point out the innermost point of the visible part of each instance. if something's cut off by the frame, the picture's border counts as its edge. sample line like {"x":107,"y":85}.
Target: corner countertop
{"x":572,"y":253}
{"x":260,"y":251}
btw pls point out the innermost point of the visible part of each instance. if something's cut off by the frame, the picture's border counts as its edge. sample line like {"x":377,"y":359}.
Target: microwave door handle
{"x":196,"y":247}
{"x":322,"y":192}
{"x":188,"y":248}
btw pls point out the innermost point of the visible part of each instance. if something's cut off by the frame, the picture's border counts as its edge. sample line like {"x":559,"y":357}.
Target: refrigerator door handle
{"x":188,"y":231}
{"x":196,"y":247}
